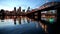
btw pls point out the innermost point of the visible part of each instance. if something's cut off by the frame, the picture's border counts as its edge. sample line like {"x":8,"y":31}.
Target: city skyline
{"x":24,"y":4}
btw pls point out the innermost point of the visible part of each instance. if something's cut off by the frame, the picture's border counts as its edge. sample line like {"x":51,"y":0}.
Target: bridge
{"x":46,"y":7}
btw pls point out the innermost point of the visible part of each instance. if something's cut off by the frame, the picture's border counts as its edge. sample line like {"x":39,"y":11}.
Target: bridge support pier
{"x":39,"y":15}
{"x":58,"y":20}
{"x":33,"y":15}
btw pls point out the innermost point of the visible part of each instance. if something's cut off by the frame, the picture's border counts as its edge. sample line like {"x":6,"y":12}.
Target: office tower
{"x":28,"y":10}
{"x":14,"y":10}
{"x":23,"y":10}
{"x":19,"y":9}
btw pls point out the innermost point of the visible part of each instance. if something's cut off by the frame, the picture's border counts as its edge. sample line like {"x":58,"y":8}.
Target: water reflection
{"x":17,"y":19}
{"x":27,"y":22}
{"x":44,"y":26}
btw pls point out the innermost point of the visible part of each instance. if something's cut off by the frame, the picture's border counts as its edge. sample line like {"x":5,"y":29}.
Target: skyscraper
{"x":19,"y":9}
{"x":28,"y":10}
{"x":14,"y":10}
{"x":23,"y":10}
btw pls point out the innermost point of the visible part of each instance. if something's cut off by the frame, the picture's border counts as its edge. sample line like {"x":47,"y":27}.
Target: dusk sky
{"x":10,"y":4}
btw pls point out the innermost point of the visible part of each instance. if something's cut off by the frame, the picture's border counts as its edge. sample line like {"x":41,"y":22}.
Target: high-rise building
{"x":14,"y":8}
{"x":19,"y":9}
{"x":28,"y":10}
{"x":23,"y":10}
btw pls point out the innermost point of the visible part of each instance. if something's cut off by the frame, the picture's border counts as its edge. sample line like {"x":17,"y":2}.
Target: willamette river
{"x":23,"y":25}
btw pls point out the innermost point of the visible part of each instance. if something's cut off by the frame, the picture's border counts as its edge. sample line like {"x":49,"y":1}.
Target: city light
{"x":51,"y":20}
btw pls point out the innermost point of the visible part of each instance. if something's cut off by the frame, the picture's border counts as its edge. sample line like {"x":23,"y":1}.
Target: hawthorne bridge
{"x":47,"y":11}
{"x":48,"y":14}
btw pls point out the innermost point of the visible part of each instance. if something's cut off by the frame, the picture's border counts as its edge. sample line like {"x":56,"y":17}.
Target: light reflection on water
{"x":43,"y":27}
{"x":6,"y":22}
{"x":22,"y":22}
{"x":13,"y":21}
